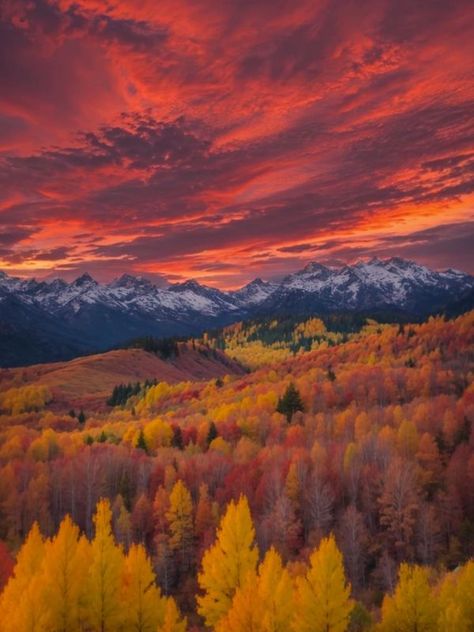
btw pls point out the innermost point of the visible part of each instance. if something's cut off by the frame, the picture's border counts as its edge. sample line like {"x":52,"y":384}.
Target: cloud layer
{"x":226,"y":140}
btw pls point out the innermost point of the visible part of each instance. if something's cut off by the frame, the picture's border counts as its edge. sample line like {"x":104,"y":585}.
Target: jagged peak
{"x":258,"y":282}
{"x":129,"y":281}
{"x":57,"y":283}
{"x":190,"y":284}
{"x":314,"y":266}
{"x":84,"y":279}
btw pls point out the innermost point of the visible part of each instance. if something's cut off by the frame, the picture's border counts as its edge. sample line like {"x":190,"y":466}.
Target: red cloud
{"x":303,"y":129}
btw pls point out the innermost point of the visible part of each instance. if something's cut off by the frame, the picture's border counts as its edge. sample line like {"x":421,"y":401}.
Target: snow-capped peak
{"x":131,"y":282}
{"x":255,"y":292}
{"x":137,"y":305}
{"x":84,"y":280}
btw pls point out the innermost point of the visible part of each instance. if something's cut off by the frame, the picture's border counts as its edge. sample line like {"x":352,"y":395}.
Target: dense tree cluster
{"x":68,"y":583}
{"x":258,"y":343}
{"x":373,"y":477}
{"x":163,"y":347}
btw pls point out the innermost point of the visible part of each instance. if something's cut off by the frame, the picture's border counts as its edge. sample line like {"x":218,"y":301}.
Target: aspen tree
{"x":144,"y":605}
{"x":226,"y":565}
{"x":456,"y":598}
{"x":104,"y":605}
{"x":264,"y":603}
{"x":65,"y":566}
{"x":24,"y":588}
{"x":412,"y":607}
{"x":180,"y":521}
{"x":323,"y":601}
{"x":173,"y":621}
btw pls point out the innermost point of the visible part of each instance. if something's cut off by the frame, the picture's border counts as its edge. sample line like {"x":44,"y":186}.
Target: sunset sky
{"x":228,"y":139}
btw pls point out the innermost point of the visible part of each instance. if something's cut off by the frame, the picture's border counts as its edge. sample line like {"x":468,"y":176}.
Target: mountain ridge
{"x":66,"y":319}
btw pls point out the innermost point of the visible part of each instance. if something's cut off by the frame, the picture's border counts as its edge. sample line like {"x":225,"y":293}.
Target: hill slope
{"x":87,"y":382}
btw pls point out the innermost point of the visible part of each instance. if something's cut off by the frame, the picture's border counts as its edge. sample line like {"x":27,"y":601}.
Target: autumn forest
{"x":321,"y":477}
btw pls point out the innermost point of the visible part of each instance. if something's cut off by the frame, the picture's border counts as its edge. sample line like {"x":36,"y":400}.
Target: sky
{"x":223,"y":140}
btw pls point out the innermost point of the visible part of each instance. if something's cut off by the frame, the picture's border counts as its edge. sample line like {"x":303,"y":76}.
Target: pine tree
{"x":212,"y":433}
{"x":81,"y":418}
{"x":141,"y":442}
{"x":104,"y":605}
{"x":323,"y":597}
{"x":177,"y":440}
{"x":226,"y":565}
{"x":412,"y":608}
{"x":144,"y":606}
{"x":290,"y":403}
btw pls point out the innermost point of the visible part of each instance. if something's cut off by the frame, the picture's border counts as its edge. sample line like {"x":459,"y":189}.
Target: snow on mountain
{"x":204,"y":299}
{"x":97,"y":315}
{"x":376,"y":282}
{"x":393,"y":282}
{"x":254,"y":293}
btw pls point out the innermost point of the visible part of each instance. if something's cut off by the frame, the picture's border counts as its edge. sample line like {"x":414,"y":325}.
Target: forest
{"x":328,"y":486}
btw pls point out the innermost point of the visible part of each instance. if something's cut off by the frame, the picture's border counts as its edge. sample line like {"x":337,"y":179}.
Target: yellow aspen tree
{"x":412,"y":607}
{"x":275,"y":591}
{"x":104,"y":605}
{"x":64,"y":573}
{"x":226,"y":565}
{"x":264,"y":603}
{"x":323,"y":601}
{"x":172,"y":621}
{"x":144,"y":606}
{"x":180,"y":521}
{"x":24,"y":589}
{"x":456,"y":600}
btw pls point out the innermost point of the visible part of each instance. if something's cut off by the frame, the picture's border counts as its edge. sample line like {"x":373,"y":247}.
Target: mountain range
{"x":46,"y":321}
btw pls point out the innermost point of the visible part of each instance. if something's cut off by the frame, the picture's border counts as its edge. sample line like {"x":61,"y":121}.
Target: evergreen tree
{"x":177,"y":440}
{"x":81,"y":418}
{"x":141,"y":442}
{"x":212,"y":433}
{"x":290,"y":403}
